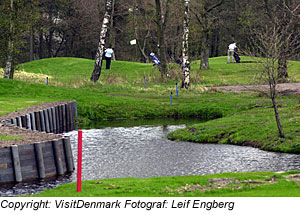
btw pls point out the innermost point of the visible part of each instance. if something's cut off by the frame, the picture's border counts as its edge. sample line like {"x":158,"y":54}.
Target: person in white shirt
{"x":231,"y":48}
{"x":108,"y":54}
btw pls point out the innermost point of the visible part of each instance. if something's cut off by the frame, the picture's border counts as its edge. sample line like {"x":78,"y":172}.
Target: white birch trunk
{"x":185,"y":46}
{"x":9,"y":69}
{"x":103,"y":34}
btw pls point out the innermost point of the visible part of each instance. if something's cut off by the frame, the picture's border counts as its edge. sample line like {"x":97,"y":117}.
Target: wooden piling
{"x":68,"y":154}
{"x":24,"y":123}
{"x":57,"y":119}
{"x":28,"y":122}
{"x":67,"y":118}
{"x":19,"y":122}
{"x":46,"y":121}
{"x":37,"y":121}
{"x":70,"y":117}
{"x":53,"y":119}
{"x":16,"y":163}
{"x":58,"y":157}
{"x":40,"y":160}
{"x":14,"y":121}
{"x":33,"y":127}
{"x":64,"y":117}
{"x":42,"y":120}
{"x":50,"y":120}
{"x":61,"y":122}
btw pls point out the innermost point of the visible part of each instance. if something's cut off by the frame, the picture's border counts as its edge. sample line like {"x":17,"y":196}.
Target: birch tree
{"x":185,"y":46}
{"x":9,"y":68}
{"x":103,"y":34}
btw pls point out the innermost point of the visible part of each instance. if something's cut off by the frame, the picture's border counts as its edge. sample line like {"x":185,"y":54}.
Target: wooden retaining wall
{"x":27,"y":162}
{"x":55,"y":120}
{"x":40,"y":160}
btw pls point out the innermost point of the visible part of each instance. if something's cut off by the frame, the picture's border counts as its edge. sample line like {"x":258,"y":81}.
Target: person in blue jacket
{"x":154,"y":58}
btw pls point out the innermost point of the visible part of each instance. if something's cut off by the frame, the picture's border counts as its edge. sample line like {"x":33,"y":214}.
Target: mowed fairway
{"x":234,"y":118}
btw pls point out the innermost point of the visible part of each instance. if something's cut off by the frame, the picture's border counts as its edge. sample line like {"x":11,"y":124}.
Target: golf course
{"x":134,"y":91}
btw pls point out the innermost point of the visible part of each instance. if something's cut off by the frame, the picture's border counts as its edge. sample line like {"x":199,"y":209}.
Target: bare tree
{"x":207,"y":19}
{"x":266,"y":50}
{"x":103,"y":34}
{"x":142,"y":28}
{"x":285,"y":15}
{"x":185,"y":47}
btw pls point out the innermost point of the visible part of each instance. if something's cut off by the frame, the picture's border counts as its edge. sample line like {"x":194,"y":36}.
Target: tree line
{"x":36,"y":29}
{"x":176,"y":30}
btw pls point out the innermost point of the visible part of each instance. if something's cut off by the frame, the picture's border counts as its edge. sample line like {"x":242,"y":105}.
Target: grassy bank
{"x":254,"y":127}
{"x":243,"y":119}
{"x":265,"y":184}
{"x":97,"y":103}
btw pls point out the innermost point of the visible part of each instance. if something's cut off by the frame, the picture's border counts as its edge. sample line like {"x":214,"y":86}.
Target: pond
{"x":143,"y":151}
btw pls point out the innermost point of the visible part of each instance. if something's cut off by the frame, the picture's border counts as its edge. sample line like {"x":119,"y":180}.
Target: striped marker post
{"x":177,"y":90}
{"x":171,"y":98}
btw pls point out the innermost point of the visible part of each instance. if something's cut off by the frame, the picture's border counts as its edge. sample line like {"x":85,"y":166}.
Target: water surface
{"x":143,"y":151}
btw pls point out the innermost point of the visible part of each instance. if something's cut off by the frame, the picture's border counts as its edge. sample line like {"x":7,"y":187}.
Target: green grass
{"x":15,"y":103}
{"x":221,"y":73}
{"x":98,"y":103}
{"x":7,"y":137}
{"x":226,"y":184}
{"x":77,"y":71}
{"x":244,"y":119}
{"x":72,"y":71}
{"x":254,"y":127}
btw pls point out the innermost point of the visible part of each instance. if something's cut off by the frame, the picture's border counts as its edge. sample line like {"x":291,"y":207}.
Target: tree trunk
{"x":205,"y":52}
{"x":100,"y":51}
{"x":282,"y":68}
{"x":41,"y":41}
{"x":112,"y":31}
{"x":50,"y":39}
{"x":9,"y":68}
{"x":140,"y":46}
{"x":215,"y":43}
{"x":279,"y":126}
{"x":185,"y":47}
{"x":161,"y":39}
{"x":31,"y":41}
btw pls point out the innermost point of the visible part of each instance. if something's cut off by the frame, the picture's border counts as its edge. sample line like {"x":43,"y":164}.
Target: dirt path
{"x":286,"y":88}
